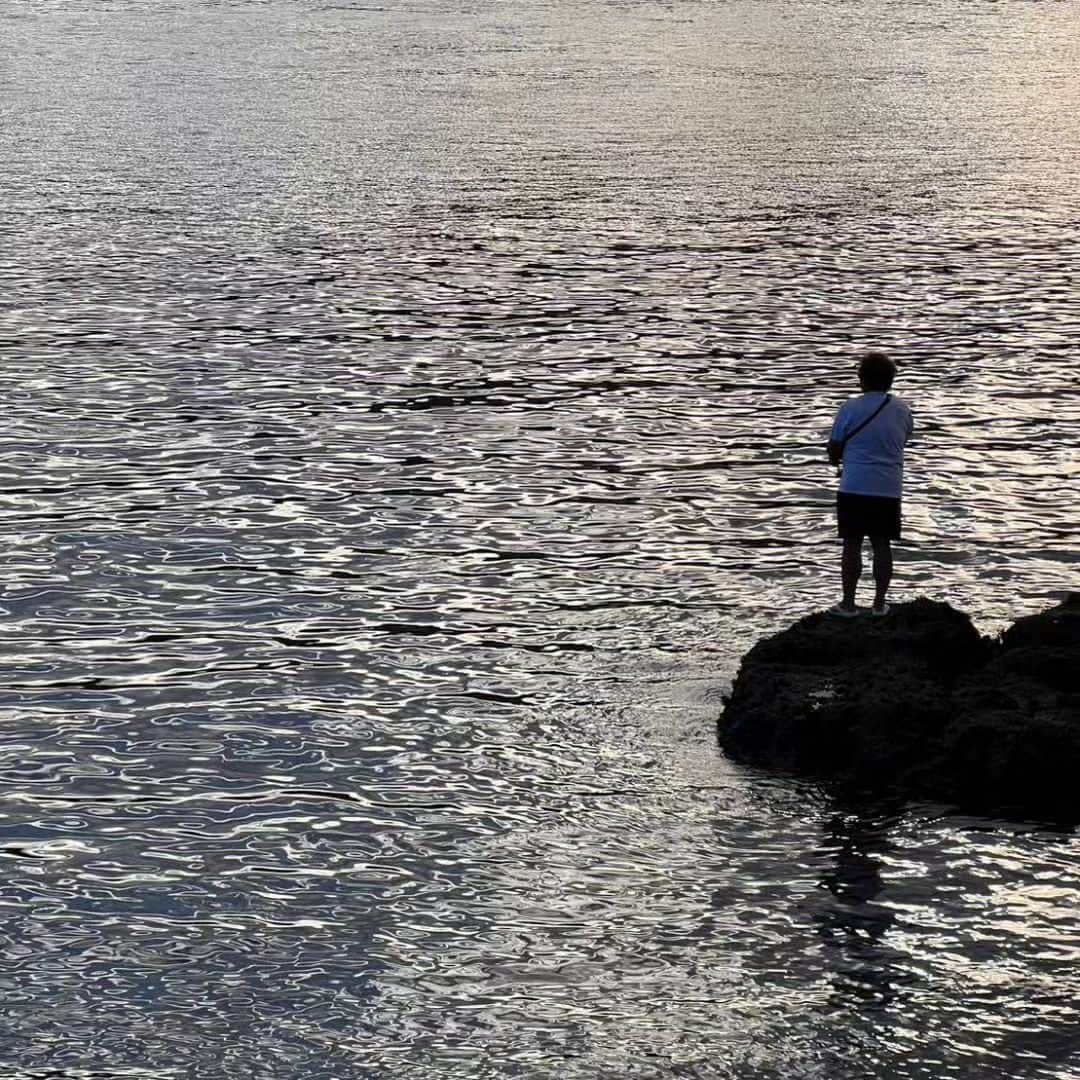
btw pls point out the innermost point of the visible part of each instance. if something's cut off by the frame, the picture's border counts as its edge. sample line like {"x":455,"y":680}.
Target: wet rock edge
{"x":919,"y":705}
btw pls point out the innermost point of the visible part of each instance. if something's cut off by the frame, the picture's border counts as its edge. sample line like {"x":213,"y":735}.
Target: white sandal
{"x":842,"y":612}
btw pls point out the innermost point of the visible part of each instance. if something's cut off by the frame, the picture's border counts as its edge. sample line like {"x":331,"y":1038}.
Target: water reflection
{"x":856,"y":925}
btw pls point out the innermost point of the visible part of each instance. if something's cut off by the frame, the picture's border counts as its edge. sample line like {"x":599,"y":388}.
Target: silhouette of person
{"x":867,"y":442}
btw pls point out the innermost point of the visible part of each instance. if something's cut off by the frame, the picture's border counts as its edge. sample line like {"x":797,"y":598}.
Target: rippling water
{"x":412,"y":413}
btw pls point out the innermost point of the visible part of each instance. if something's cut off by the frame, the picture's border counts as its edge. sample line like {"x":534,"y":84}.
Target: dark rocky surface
{"x":919,"y":704}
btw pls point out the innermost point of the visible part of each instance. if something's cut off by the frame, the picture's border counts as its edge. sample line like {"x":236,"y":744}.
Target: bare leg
{"x":882,"y":569}
{"x":850,"y":571}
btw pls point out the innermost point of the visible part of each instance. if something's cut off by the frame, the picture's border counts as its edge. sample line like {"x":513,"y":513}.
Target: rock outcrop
{"x":919,"y":704}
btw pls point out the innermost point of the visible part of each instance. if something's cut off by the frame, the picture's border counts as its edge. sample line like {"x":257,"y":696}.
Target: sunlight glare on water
{"x":413,"y":412}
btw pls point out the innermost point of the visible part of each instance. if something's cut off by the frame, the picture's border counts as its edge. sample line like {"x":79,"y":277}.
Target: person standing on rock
{"x":867,"y":443}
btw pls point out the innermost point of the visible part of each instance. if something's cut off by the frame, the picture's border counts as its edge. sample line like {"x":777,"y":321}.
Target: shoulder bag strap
{"x":851,"y":434}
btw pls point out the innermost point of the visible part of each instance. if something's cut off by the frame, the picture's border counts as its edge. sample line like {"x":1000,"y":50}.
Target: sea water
{"x":412,"y":411}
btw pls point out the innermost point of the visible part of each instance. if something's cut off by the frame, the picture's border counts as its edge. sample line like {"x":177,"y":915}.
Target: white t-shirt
{"x":874,"y":459}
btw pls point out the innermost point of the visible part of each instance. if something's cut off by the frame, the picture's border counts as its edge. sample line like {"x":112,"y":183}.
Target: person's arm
{"x":835,"y":449}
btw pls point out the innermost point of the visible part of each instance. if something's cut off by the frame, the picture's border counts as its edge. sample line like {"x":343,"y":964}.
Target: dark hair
{"x":876,"y":371}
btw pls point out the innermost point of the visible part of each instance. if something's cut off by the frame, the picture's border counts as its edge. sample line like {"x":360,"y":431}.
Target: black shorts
{"x":867,"y":515}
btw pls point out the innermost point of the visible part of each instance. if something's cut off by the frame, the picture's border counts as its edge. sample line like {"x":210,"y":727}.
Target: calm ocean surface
{"x":412,"y":411}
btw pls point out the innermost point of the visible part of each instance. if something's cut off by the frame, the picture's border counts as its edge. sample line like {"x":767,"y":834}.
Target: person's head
{"x":876,"y":371}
